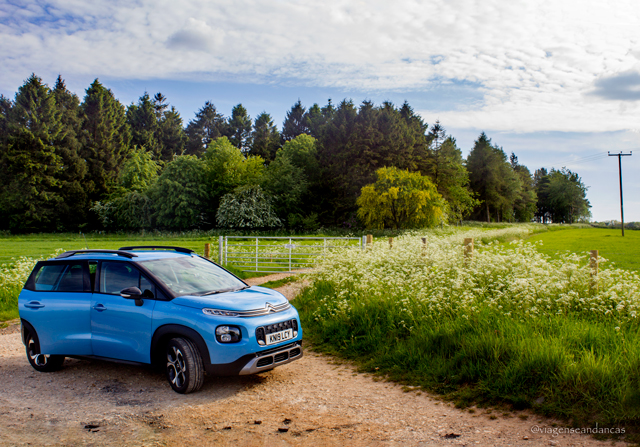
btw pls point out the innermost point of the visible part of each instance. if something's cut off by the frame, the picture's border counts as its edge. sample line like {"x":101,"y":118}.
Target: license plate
{"x":277,"y":337}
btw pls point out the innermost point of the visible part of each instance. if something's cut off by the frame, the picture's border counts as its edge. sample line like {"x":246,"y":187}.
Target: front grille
{"x":265,"y":361}
{"x":262,"y":332}
{"x":268,"y":309}
{"x":281,"y":357}
{"x":278,"y":349}
{"x":294,"y":353}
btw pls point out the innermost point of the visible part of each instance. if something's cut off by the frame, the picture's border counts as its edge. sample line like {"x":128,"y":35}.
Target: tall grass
{"x":511,"y":326}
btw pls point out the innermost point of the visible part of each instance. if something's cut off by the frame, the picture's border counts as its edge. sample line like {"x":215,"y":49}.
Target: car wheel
{"x":185,"y":371}
{"x":42,"y":362}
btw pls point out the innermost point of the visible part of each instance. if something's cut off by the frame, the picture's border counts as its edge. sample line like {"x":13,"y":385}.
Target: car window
{"x":60,"y":278}
{"x":115,"y":276}
{"x":192,"y":275}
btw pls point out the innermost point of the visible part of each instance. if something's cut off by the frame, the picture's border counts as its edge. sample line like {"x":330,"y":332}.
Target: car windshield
{"x":193,"y":276}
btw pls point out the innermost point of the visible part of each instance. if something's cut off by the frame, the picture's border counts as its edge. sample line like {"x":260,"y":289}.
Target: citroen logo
{"x":269,"y":307}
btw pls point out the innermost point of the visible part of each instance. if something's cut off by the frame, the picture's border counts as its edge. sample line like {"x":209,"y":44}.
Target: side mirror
{"x":132,"y":293}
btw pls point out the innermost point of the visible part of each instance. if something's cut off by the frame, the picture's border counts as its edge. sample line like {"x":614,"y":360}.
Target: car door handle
{"x":34,"y":305}
{"x":99,"y":307}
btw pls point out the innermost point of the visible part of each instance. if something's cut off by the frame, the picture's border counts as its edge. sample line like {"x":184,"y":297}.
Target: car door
{"x":56,"y":303}
{"x":119,"y":328}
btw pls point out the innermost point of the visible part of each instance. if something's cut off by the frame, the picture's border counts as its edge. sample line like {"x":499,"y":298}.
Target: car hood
{"x":248,"y":299}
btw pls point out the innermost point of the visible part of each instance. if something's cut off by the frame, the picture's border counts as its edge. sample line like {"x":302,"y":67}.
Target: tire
{"x":185,"y":371}
{"x":41,"y":362}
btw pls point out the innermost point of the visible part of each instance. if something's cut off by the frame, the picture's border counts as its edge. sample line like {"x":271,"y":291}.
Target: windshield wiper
{"x":229,"y":289}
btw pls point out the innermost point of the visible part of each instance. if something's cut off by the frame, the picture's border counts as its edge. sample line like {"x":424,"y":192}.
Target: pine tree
{"x":493,"y":180}
{"x":172,"y":135}
{"x":170,"y":131}
{"x":294,"y":123}
{"x":315,"y":120}
{"x":105,"y":139}
{"x":266,"y":138}
{"x":30,"y":164}
{"x":143,"y":121}
{"x":72,"y":211}
{"x":206,"y":127}
{"x":239,"y":128}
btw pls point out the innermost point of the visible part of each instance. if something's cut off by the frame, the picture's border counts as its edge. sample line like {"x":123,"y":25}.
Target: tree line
{"x":70,"y":164}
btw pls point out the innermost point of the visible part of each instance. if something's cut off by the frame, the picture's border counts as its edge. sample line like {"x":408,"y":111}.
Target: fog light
{"x":228,"y":334}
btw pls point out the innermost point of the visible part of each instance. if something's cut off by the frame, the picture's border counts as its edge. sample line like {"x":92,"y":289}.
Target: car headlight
{"x":219,"y":312}
{"x":228,"y":334}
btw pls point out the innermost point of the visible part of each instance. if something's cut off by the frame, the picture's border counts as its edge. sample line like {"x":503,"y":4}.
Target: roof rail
{"x":153,"y":247}
{"x":68,"y":254}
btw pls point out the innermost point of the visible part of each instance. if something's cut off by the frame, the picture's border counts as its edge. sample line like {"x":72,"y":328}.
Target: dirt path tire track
{"x":317,"y":400}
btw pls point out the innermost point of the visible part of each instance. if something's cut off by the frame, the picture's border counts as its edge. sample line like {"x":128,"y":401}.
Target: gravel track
{"x":316,"y":400}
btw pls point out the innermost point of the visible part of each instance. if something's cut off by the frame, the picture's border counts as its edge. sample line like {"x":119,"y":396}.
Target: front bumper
{"x":259,"y":361}
{"x":266,"y":360}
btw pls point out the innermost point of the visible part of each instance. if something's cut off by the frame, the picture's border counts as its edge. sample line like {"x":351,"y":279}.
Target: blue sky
{"x":558,"y":83}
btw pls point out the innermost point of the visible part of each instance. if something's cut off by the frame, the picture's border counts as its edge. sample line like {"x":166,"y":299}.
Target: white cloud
{"x":536,"y":61}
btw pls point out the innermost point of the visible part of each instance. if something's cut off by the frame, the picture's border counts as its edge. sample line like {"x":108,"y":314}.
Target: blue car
{"x":155,"y":305}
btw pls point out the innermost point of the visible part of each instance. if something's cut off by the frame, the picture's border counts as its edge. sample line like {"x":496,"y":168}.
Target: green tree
{"x":265,"y":139}
{"x":156,"y":128}
{"x":288,"y":178}
{"x":105,"y":139}
{"x":180,"y":195}
{"x":239,"y":128}
{"x":139,"y":172}
{"x":525,"y":203}
{"x":30,"y":165}
{"x":565,"y":196}
{"x":206,"y":127}
{"x":72,"y":209}
{"x":143,"y":122}
{"x":246,"y":207}
{"x":294,"y":123}
{"x":132,"y":211}
{"x":353,"y":145}
{"x":316,"y":119}
{"x":227,"y":168}
{"x":443,"y":163}
{"x":400,"y":199}
{"x":493,"y":180}
{"x":286,"y":183}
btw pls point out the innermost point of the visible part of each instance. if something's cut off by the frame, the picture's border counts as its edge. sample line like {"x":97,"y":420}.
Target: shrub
{"x":247,"y":207}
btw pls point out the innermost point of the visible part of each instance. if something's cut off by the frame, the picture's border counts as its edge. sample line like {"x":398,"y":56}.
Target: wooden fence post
{"x":390,"y":242}
{"x":468,"y":249}
{"x":593,"y":263}
{"x":207,"y":250}
{"x":370,"y":240}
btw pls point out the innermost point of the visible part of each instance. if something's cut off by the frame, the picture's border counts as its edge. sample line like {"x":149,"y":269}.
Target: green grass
{"x":280,"y":282}
{"x":610,"y":244}
{"x":586,"y":371}
{"x":38,"y":245}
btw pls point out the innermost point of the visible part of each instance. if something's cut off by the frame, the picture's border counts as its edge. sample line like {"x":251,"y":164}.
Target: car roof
{"x":137,"y":254}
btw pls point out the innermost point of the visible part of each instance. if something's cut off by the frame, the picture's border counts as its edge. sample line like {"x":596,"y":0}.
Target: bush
{"x":247,"y":207}
{"x":509,"y":326}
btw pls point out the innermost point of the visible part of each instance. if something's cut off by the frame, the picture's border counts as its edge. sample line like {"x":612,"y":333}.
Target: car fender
{"x":27,"y":327}
{"x":176,"y":329}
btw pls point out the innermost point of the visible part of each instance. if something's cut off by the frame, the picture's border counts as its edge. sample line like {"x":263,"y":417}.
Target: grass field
{"x":510,"y":327}
{"x":624,"y":251}
{"x":39,"y":245}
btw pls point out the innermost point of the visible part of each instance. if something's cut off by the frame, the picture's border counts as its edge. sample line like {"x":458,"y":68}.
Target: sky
{"x":555,"y":82}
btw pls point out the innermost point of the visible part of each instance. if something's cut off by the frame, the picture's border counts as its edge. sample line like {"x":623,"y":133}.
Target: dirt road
{"x":310,"y":402}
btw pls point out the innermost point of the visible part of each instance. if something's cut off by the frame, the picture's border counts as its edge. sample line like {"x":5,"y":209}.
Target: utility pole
{"x":620,"y":155}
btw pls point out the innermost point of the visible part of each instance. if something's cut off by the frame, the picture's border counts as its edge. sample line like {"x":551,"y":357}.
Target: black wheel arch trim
{"x":27,"y":328}
{"x":162,"y":334}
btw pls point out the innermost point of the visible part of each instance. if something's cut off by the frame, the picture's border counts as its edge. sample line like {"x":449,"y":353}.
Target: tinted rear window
{"x":60,"y":278}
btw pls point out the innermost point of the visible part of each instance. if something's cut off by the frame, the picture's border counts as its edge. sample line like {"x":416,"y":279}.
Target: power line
{"x":581,"y":160}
